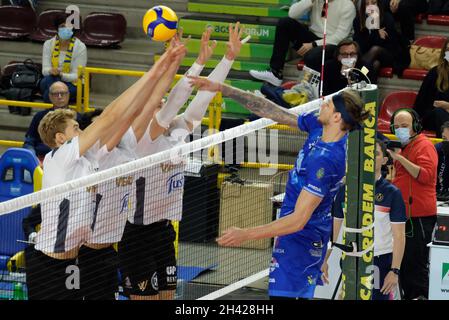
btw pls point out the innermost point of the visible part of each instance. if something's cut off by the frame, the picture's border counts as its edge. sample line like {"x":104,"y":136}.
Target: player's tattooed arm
{"x":259,"y":105}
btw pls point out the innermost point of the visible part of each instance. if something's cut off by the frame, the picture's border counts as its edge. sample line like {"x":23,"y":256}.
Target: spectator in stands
{"x":381,"y":45}
{"x":61,"y":57}
{"x":443,"y":164}
{"x":416,"y":177}
{"x":336,"y":70}
{"x":59,"y":97}
{"x":307,"y":40}
{"x":406,"y":11}
{"x":432,"y":102}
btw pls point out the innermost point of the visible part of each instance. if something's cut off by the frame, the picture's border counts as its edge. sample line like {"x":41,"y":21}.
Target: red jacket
{"x":420,"y":192}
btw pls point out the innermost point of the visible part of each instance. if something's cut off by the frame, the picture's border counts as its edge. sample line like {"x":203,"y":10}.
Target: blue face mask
{"x":403,"y":134}
{"x":65,"y":33}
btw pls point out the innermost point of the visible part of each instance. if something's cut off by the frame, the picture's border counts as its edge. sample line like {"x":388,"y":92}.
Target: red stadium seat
{"x":386,"y":72}
{"x":431,"y":41}
{"x":420,"y":17}
{"x":45,"y":25}
{"x":300,"y":65}
{"x":414,"y":74}
{"x":438,"y":19}
{"x":103,"y":29}
{"x":391,"y":103}
{"x":16,"y":22}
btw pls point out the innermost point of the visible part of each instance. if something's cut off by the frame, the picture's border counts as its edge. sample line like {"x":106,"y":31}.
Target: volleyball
{"x":160,"y":23}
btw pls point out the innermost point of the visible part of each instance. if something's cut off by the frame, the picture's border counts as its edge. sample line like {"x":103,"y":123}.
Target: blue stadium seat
{"x":17,"y":168}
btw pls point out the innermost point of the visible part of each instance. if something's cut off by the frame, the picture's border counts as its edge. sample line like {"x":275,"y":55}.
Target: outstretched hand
{"x":206,"y":50}
{"x":232,"y":237}
{"x":204,"y":84}
{"x":234,"y":44}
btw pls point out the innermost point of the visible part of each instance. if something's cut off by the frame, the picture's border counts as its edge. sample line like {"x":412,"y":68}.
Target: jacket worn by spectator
{"x":419,"y":194}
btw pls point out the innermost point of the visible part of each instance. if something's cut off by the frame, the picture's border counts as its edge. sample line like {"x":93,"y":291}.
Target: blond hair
{"x":54,"y":122}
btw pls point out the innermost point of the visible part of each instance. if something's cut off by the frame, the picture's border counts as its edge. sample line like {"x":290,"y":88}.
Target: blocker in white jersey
{"x":114,"y":199}
{"x":66,"y":221}
{"x":159,"y":189}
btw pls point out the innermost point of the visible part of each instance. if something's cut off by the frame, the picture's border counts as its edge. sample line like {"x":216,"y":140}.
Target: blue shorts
{"x":296,"y":262}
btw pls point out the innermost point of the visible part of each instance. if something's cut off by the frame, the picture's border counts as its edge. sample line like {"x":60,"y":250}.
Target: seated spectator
{"x":61,"y":57}
{"x":307,"y":40}
{"x":439,"y":7}
{"x":59,"y":97}
{"x":389,"y":228}
{"x":432,"y":102}
{"x":406,"y":11}
{"x":380,"y":44}
{"x":443,"y":164}
{"x":347,"y":56}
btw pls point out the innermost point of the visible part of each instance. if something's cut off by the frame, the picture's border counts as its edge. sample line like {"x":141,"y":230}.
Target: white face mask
{"x":446,"y":56}
{"x":349,"y":62}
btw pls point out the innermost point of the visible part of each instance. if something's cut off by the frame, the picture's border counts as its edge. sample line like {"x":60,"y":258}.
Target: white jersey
{"x":159,"y":188}
{"x":66,"y":220}
{"x":114,"y":198}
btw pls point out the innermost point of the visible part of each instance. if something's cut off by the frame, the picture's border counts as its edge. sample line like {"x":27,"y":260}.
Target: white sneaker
{"x":267,"y":76}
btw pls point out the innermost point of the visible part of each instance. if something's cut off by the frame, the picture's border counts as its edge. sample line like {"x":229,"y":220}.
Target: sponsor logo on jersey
{"x":379,"y":197}
{"x":314,"y":188}
{"x":274,"y":264}
{"x":126,"y":203}
{"x":175,"y":182}
{"x":142,"y":285}
{"x":154,"y":283}
{"x":320,"y":173}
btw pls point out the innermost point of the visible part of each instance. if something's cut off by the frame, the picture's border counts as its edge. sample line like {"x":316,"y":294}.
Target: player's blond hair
{"x":54,"y":122}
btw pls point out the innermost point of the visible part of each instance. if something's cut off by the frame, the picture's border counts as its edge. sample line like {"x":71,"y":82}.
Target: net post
{"x":359,"y":203}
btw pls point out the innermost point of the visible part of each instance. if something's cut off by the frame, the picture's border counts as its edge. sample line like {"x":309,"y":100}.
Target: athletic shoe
{"x":267,"y":76}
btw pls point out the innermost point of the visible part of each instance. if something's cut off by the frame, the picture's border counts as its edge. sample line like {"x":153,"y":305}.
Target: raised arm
{"x":197,"y":108}
{"x":182,"y":91}
{"x":127,"y":106}
{"x":140,"y":124}
{"x":259,"y":105}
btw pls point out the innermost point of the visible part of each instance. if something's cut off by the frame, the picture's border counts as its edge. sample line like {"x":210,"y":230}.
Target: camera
{"x":393,"y":144}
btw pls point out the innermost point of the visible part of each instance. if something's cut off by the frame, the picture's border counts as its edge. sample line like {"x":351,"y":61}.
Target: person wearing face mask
{"x":443,"y":164}
{"x":346,"y":57}
{"x":61,"y":57}
{"x":416,"y":176}
{"x":432,"y":102}
{"x":380,"y":43}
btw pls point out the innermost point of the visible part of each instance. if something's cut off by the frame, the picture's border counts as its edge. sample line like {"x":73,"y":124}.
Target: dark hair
{"x":362,"y":14}
{"x":383,"y":146}
{"x":445,"y":126}
{"x":354,"y":106}
{"x":60,"y":19}
{"x":347,"y":42}
{"x":86,"y":118}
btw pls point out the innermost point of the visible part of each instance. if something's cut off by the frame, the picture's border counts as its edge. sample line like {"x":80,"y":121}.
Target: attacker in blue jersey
{"x":305,"y":222}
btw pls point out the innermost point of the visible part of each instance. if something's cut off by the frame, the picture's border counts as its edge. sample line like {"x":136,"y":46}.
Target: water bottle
{"x":180,"y":286}
{"x":18,"y":293}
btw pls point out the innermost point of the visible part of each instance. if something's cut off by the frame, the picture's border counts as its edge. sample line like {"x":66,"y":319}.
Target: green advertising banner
{"x":357,"y":273}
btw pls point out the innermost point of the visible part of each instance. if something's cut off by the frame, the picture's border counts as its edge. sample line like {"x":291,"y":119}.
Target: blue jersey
{"x":297,"y":257}
{"x":319,"y":169}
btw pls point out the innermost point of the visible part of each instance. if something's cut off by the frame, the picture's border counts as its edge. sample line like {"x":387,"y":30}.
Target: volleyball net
{"x":214,"y":181}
